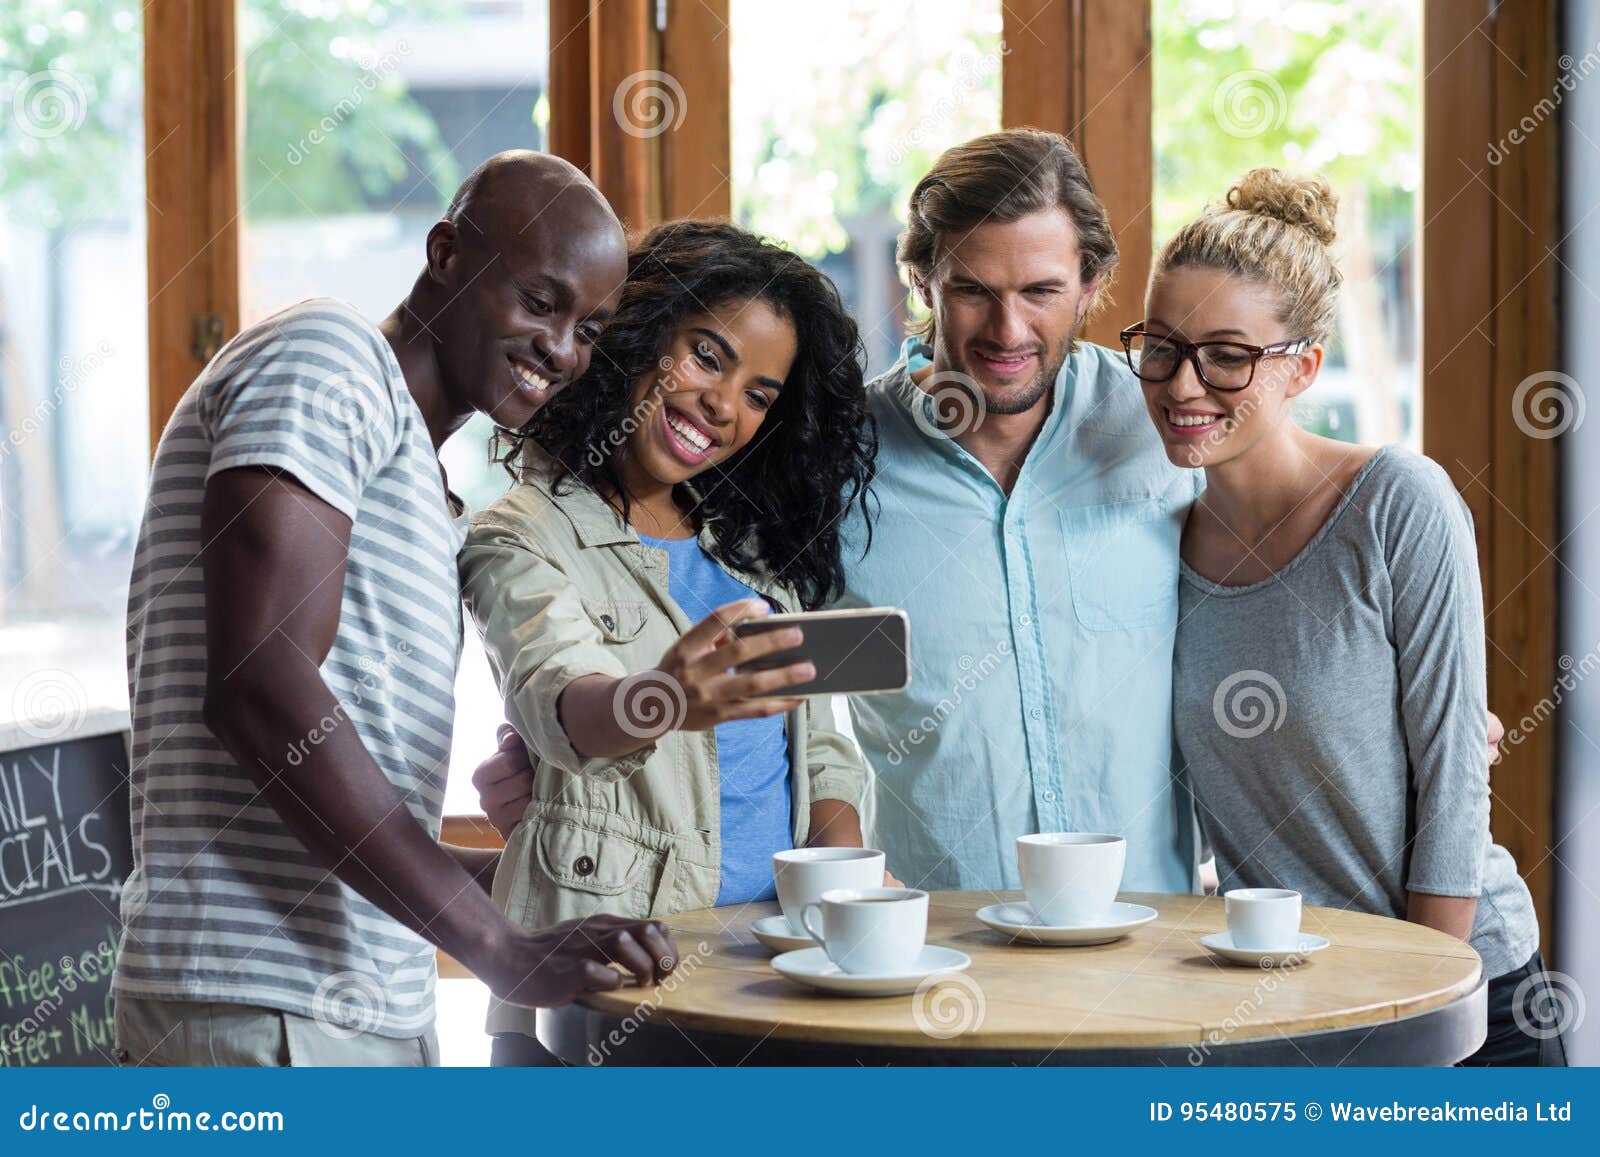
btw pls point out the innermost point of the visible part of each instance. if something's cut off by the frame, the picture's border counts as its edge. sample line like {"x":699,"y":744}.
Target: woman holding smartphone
{"x":693,"y":479}
{"x":1329,"y":681}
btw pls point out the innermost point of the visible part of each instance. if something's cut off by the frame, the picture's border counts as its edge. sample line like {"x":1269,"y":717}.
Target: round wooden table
{"x":1384,"y":993}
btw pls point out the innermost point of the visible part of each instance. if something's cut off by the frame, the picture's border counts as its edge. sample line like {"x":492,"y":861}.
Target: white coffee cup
{"x":1263,"y":919}
{"x":870,"y":930}
{"x":1070,"y":877}
{"x":803,"y":874}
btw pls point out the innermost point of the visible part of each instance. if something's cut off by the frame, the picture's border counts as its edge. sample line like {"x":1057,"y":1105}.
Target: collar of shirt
{"x":597,"y":525}
{"x":1081,"y":395}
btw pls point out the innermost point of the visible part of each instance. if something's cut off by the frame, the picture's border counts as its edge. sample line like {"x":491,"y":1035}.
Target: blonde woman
{"x":1329,"y":680}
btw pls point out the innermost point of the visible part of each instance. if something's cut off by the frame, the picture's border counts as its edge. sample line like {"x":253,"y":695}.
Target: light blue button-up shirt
{"x":1042,"y":626}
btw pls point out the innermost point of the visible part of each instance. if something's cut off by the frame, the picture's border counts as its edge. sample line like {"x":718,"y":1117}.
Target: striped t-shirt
{"x":224,"y":904}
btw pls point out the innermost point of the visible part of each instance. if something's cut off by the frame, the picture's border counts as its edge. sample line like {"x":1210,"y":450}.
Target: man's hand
{"x":557,"y":965}
{"x":504,"y":783}
{"x":1497,"y":732}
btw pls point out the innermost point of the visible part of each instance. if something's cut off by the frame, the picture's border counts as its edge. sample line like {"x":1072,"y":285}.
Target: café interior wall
{"x":1578,"y":786}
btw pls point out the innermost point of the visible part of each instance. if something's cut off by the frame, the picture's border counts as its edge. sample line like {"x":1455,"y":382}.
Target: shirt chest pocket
{"x":1122,"y":564}
{"x":619,"y":623}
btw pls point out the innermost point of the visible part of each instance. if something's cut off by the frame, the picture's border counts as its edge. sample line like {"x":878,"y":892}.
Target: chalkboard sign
{"x":65,"y":850}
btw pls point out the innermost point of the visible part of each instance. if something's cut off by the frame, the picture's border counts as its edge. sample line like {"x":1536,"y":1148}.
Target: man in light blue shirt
{"x":1027,"y":519}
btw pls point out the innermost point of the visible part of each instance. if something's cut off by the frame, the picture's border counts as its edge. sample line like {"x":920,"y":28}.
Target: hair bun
{"x":1307,"y":202}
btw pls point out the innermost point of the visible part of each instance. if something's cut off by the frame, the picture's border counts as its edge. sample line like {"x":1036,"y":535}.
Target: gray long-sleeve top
{"x":1331,"y":718}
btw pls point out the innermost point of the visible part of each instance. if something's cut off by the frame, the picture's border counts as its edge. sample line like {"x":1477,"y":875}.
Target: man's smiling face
{"x":529,"y":273}
{"x":1006,"y":298}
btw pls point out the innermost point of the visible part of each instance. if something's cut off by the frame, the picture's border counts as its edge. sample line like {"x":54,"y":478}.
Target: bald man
{"x":293,"y":633}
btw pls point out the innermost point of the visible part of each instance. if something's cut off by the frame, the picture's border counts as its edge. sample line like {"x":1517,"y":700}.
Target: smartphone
{"x":855,"y":652}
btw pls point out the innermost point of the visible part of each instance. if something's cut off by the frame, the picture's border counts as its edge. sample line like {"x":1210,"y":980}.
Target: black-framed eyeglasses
{"x":1221,"y":365}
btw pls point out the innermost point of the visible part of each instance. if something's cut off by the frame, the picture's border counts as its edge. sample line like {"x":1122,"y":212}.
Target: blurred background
{"x":837,"y":108}
{"x":346,"y":125}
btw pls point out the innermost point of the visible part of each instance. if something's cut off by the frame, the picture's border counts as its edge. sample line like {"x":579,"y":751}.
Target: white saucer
{"x":775,"y":933}
{"x":811,"y":966}
{"x":1018,"y":921}
{"x":1221,"y":944}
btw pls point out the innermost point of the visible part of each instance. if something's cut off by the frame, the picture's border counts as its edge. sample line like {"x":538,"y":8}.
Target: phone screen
{"x":855,"y":652}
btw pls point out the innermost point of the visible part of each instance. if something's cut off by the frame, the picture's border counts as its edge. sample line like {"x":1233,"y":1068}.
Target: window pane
{"x":360,"y":121}
{"x":73,"y":377}
{"x":839,"y":106}
{"x":1310,"y":86}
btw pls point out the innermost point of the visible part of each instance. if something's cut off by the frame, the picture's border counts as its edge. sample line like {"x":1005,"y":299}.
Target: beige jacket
{"x":561,"y":587}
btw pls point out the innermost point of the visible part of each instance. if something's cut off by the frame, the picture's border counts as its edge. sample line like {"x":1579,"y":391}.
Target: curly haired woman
{"x":695,"y":478}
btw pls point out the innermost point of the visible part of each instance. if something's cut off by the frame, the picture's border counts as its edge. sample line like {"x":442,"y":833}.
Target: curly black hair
{"x":774,"y":507}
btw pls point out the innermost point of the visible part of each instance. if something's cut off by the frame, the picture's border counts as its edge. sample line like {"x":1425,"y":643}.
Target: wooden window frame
{"x":1082,"y":68}
{"x":1489,"y":320}
{"x":643,"y":109}
{"x":192,"y":109}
